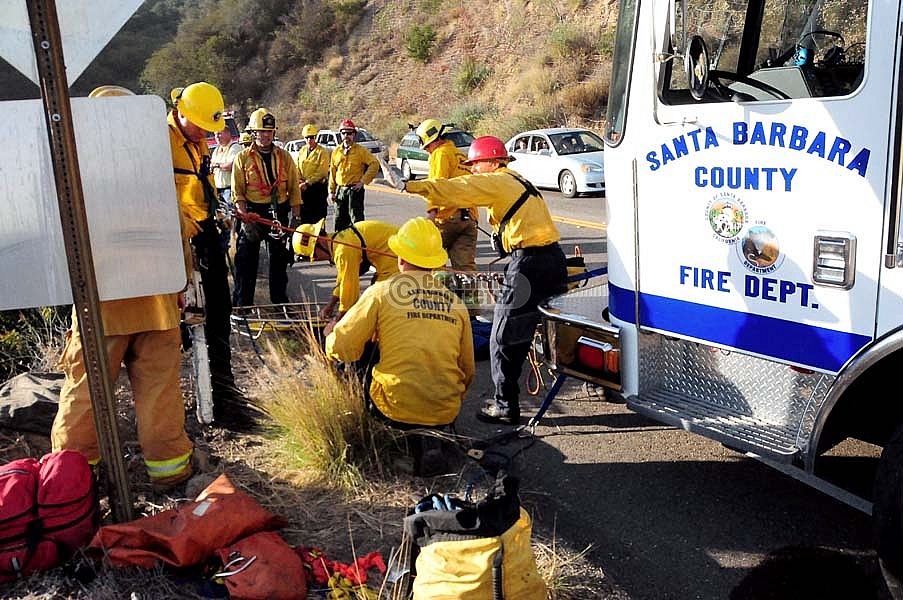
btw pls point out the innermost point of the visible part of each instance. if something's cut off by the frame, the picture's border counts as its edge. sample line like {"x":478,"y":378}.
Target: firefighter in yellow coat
{"x":351,"y":167}
{"x":144,"y":334}
{"x":457,"y":225}
{"x":264,"y":184}
{"x":421,"y":327}
{"x":198,"y":109}
{"x":536,"y":267}
{"x":313,"y":165}
{"x":352,"y":251}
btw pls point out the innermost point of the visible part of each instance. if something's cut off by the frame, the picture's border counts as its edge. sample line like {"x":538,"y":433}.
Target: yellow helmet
{"x":419,"y":243}
{"x":110,"y":90}
{"x":245,"y":139}
{"x":174,"y":94}
{"x":304,"y":240}
{"x":309,"y":130}
{"x":202,"y":104}
{"x":428,"y":131}
{"x":262,"y":120}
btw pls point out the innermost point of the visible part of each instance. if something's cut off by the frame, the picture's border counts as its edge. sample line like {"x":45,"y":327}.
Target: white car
{"x":567,"y":159}
{"x":331,"y":139}
{"x":294,"y":147}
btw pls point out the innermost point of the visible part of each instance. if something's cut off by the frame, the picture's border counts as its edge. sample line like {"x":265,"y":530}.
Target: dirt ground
{"x":342,"y":526}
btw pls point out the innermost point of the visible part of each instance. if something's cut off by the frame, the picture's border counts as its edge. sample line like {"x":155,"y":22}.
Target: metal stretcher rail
{"x":253,"y":321}
{"x":568,"y":320}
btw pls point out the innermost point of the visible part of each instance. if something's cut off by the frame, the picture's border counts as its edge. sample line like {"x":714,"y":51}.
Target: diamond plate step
{"x":734,"y":429}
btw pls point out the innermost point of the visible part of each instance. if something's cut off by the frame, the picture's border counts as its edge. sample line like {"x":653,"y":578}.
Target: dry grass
{"x":319,"y":410}
{"x":323,"y":465}
{"x":374,"y":80}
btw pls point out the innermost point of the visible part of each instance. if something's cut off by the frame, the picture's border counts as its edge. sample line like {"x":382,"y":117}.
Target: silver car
{"x":567,"y":159}
{"x":331,"y":139}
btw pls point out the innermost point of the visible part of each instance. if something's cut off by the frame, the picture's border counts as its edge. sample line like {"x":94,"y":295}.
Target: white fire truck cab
{"x":755,"y":291}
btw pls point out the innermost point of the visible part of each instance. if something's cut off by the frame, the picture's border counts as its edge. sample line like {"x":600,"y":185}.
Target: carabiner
{"x":276,"y":229}
{"x":228,"y":569}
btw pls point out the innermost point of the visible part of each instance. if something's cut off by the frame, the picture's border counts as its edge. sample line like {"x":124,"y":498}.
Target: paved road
{"x":664,"y":513}
{"x":581,"y":222}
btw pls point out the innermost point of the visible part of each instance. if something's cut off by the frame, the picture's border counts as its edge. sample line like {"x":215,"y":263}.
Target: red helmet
{"x":347,"y":124}
{"x":487,"y":147}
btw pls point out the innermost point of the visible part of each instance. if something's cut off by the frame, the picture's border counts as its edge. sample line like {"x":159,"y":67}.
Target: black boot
{"x":499,"y":411}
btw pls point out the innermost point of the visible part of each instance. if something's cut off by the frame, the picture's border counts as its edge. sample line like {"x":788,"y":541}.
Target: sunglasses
{"x":348,"y":132}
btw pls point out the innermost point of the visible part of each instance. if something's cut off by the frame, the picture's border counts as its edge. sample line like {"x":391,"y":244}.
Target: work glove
{"x":326,"y":312}
{"x":251,"y":230}
{"x":392,"y":175}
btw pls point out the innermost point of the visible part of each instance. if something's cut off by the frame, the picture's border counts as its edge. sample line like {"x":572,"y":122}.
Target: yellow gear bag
{"x":475,"y":551}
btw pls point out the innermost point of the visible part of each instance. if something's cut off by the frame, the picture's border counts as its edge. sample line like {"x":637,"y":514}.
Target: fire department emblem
{"x":760,"y":249}
{"x":726,"y":216}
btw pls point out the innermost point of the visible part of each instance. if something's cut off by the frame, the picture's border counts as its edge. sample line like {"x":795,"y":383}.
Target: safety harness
{"x":268,"y":189}
{"x":365,"y":262}
{"x":496,"y":237}
{"x":202,"y":172}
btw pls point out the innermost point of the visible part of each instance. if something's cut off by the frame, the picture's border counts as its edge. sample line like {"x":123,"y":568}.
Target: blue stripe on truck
{"x":816,"y":347}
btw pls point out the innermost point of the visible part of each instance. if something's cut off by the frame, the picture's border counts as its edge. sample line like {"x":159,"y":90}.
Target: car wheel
{"x":406,"y":170}
{"x":567,"y":184}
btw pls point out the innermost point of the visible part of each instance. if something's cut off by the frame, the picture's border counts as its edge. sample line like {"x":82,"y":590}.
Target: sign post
{"x":51,"y":68}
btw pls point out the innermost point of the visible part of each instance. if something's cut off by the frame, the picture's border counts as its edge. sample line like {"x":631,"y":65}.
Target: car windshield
{"x":576,"y":142}
{"x":460,"y":138}
{"x":363,"y":136}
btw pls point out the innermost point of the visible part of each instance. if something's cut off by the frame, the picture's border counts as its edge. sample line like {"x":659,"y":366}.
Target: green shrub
{"x":431,"y":6}
{"x":469,"y":115}
{"x":470,"y":76}
{"x":419,"y":40}
{"x":606,"y":42}
{"x":31,"y":339}
{"x":348,"y":14}
{"x":571,"y":42}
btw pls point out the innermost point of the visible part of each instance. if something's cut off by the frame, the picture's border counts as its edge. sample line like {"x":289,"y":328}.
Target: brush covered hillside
{"x":491,"y":67}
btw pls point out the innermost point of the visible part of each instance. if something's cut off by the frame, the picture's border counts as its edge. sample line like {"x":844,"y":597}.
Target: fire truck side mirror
{"x":697,"y":66}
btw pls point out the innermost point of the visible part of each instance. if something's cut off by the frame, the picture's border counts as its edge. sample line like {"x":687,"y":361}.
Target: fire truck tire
{"x":888,"y":513}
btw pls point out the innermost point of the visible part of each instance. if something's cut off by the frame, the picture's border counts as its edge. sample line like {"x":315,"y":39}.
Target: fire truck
{"x":754,"y":180}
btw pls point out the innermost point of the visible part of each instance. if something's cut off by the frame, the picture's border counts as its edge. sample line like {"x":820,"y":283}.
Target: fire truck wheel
{"x":888,"y":513}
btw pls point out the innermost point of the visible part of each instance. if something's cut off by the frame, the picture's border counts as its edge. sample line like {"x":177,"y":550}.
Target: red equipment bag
{"x":262,"y":566}
{"x":187,"y":535}
{"x":48,"y":510}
